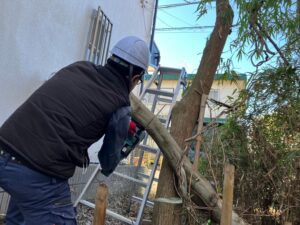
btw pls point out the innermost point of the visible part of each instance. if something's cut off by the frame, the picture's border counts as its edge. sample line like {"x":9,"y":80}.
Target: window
{"x":99,"y":38}
{"x":214,"y":94}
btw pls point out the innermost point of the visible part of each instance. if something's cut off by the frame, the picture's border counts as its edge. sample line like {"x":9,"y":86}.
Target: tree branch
{"x":172,"y":153}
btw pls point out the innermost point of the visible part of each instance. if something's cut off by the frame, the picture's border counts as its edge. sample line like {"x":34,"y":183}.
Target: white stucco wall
{"x":226,"y":90}
{"x":39,"y":37}
{"x":129,"y":17}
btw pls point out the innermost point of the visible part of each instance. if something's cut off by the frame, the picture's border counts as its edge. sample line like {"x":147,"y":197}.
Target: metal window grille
{"x":99,"y":38}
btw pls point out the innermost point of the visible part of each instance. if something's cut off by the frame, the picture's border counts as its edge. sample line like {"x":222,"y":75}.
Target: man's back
{"x":52,"y":130}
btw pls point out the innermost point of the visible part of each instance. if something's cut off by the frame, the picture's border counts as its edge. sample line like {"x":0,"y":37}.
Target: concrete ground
{"x":1,"y":219}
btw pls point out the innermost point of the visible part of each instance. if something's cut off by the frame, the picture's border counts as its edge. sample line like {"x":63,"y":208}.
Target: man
{"x":43,"y":141}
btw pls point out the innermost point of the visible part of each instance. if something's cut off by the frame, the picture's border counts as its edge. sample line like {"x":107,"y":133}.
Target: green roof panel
{"x":191,"y":76}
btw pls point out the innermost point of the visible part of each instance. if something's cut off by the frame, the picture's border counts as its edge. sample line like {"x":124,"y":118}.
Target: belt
{"x":11,"y":158}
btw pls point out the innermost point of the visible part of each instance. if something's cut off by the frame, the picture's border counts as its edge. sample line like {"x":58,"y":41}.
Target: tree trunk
{"x":172,"y":152}
{"x":185,"y":113}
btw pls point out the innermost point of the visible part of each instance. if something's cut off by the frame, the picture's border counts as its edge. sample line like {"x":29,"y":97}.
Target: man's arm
{"x":115,"y":136}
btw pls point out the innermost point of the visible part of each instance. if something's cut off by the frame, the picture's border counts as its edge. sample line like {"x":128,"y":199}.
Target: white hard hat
{"x":133,"y":50}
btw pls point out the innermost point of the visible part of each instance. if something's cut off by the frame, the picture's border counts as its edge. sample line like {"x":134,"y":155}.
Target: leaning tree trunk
{"x":185,"y":113}
{"x":173,"y":153}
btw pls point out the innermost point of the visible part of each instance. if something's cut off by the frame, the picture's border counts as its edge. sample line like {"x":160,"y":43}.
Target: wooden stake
{"x":101,"y":204}
{"x":199,"y":129}
{"x":226,"y":217}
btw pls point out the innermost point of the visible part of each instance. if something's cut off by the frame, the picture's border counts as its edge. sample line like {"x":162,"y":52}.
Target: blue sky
{"x":183,"y":48}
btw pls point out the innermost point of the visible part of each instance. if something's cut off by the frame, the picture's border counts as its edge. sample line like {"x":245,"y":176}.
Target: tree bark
{"x":173,"y":153}
{"x":185,"y":113}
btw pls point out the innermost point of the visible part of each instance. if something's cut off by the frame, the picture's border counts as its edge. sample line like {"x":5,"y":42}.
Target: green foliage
{"x":274,"y":89}
{"x":208,"y":222}
{"x":202,"y":7}
{"x":277,"y":19}
{"x":262,"y":134}
{"x":203,"y":166}
{"x":262,"y":139}
{"x":261,"y":24}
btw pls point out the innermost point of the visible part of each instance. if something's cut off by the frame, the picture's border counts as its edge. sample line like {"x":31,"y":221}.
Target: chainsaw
{"x":136,"y":134}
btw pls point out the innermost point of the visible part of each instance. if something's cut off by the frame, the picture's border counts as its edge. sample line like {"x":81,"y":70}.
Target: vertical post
{"x":226,"y":217}
{"x":199,"y":129}
{"x":153,"y":25}
{"x":101,"y":204}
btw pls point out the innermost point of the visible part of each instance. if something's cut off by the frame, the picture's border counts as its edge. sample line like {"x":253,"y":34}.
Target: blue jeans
{"x":36,"y":199}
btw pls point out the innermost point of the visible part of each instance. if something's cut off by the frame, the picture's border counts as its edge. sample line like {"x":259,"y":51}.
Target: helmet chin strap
{"x":130,"y":66}
{"x":130,"y":76}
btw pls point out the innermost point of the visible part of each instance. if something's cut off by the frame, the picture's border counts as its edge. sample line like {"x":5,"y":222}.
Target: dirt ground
{"x":122,"y":205}
{"x":1,"y":220}
{"x":85,"y":214}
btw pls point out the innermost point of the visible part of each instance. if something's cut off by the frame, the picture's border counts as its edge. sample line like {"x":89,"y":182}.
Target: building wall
{"x":129,"y":17}
{"x":38,"y":37}
{"x":223,"y":88}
